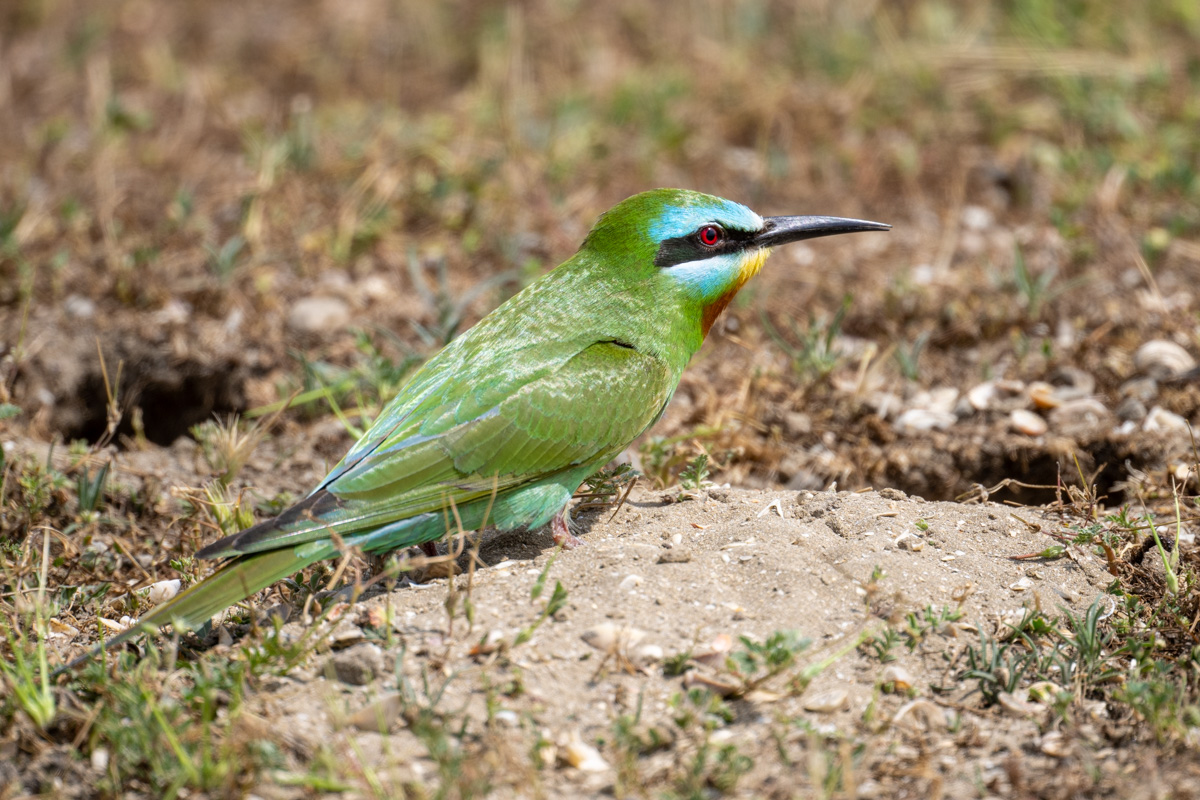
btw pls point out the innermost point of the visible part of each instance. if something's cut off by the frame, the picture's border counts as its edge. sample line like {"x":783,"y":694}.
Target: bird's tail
{"x":236,"y":580}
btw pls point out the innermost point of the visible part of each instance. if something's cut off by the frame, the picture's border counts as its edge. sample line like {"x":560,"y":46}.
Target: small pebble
{"x":676,"y":555}
{"x":826,"y":702}
{"x":1080,"y":418}
{"x":1016,"y":707}
{"x":977,"y":218}
{"x":346,"y":634}
{"x":379,"y":715}
{"x":1021,"y":585}
{"x":318,"y":315}
{"x":797,"y":424}
{"x":507,"y":718}
{"x":357,"y":666}
{"x":78,"y":306}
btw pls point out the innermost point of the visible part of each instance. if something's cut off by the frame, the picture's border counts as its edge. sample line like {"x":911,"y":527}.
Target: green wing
{"x":491,"y":438}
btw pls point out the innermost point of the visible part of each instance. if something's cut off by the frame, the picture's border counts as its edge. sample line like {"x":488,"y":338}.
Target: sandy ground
{"x":664,"y":577}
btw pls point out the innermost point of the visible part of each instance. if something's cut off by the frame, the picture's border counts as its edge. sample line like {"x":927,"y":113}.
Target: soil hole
{"x":170,"y":400}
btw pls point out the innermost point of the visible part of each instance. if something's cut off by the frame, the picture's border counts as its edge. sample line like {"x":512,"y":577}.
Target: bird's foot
{"x":560,"y":532}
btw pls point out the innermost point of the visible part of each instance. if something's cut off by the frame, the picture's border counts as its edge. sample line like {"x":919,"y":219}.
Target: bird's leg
{"x":429,"y":548}
{"x":560,"y":530}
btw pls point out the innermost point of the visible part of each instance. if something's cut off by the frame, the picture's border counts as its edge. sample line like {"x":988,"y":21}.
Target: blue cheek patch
{"x":709,"y":278}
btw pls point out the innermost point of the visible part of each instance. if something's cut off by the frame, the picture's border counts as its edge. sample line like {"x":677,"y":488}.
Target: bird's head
{"x":700,"y":247}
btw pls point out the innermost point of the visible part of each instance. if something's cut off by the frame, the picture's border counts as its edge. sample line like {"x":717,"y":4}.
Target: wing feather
{"x":583,"y":412}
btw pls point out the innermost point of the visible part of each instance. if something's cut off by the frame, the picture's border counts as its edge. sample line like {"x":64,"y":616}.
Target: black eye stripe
{"x":683,"y":249}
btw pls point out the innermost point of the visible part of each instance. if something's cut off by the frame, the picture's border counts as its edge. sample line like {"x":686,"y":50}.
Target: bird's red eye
{"x":711,"y":235}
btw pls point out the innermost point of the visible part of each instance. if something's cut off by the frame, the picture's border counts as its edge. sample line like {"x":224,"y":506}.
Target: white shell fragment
{"x":694,"y":678}
{"x":630,"y":582}
{"x":1054,"y":744}
{"x":1016,"y":707}
{"x":60,"y":629}
{"x":1162,"y":359}
{"x":919,"y":420}
{"x":1044,"y":691}
{"x":1026,"y":422}
{"x":923,"y":711}
{"x":163,"y":591}
{"x":901,"y":679}
{"x":583,"y":756}
{"x":1159,"y":420}
{"x":649,"y":654}
{"x":609,"y":638}
{"x":982,"y":396}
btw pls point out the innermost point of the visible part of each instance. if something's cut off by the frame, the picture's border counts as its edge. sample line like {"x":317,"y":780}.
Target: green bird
{"x":509,"y":419}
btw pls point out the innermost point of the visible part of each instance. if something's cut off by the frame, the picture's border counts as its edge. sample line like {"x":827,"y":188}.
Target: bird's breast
{"x":749,"y":266}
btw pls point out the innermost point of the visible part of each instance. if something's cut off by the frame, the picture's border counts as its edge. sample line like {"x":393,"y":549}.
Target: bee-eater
{"x":510,"y":418}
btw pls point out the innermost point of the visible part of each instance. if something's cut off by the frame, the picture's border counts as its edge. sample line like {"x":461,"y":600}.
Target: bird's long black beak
{"x":781,"y":230}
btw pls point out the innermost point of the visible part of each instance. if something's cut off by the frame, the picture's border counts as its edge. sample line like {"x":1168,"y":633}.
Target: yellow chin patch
{"x":751,"y":263}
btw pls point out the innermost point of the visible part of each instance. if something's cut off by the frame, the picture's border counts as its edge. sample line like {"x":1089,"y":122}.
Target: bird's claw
{"x":560,"y":532}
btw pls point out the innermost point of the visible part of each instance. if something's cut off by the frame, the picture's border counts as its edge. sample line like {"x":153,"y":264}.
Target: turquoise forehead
{"x":684,"y":218}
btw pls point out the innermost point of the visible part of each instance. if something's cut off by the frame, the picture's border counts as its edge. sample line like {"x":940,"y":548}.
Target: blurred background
{"x":206,"y":208}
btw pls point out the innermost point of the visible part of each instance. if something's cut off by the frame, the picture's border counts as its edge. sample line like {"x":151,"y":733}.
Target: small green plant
{"x":996,"y":667}
{"x":703,"y":767}
{"x":89,"y":491}
{"x":170,"y":744}
{"x":216,"y":501}
{"x":558,"y":599}
{"x":758,"y":662}
{"x":919,"y":625}
{"x":662,"y":455}
{"x":39,"y":487}
{"x":909,"y":358}
{"x":228,"y":445}
{"x":695,"y":474}
{"x":602,"y":488}
{"x":631,"y":740}
{"x":448,"y":311}
{"x":881,"y":644}
{"x":676,"y":665}
{"x":27,"y":675}
{"x":814,"y":354}
{"x":223,"y":260}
